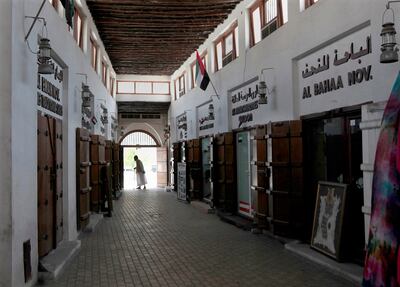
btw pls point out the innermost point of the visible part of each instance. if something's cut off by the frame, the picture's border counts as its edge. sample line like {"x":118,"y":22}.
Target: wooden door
{"x":50,"y":205}
{"x":225,"y":195}
{"x":259,"y":176}
{"x":97,"y":159}
{"x":121,"y":166}
{"x":116,"y":169}
{"x":176,"y":152}
{"x":162,"y":165}
{"x":83,"y":177}
{"x":58,"y":180}
{"x":45,"y":202}
{"x":286,"y":181}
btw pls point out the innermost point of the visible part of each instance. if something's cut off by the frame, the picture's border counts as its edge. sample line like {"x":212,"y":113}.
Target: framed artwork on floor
{"x":328,"y":218}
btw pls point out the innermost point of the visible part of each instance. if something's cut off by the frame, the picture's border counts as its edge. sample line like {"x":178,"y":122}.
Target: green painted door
{"x":243,"y":173}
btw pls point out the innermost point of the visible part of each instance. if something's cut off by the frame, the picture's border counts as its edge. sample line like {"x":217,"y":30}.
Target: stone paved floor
{"x":153,"y":240}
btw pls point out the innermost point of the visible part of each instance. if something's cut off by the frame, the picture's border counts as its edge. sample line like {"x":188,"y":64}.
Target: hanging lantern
{"x":389,"y":50}
{"x":44,"y":57}
{"x":262,"y":91}
{"x":211,"y":112}
{"x":86,"y":96}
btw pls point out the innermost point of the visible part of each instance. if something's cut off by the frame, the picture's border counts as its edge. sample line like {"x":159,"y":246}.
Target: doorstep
{"x":349,"y":271}
{"x":203,"y":207}
{"x":94,"y":220}
{"x":238,"y":221}
{"x":54,"y":263}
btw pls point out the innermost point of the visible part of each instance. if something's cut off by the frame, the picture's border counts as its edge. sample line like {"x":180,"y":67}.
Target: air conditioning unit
{"x":227,"y":59}
{"x":269,"y":28}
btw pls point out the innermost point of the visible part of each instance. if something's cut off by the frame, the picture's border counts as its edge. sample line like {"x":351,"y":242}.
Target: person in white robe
{"x":140,"y":173}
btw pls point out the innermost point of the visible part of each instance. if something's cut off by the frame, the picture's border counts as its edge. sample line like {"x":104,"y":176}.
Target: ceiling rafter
{"x":155,"y":37}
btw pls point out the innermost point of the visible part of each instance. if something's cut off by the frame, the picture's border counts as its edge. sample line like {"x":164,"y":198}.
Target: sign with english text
{"x":205,"y":119}
{"x":336,"y":75}
{"x":245,"y":111}
{"x":49,"y":92}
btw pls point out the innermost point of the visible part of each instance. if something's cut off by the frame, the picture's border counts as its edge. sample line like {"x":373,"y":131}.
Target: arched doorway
{"x":149,"y":150}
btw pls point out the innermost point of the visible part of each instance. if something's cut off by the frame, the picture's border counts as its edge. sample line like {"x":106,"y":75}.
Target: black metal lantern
{"x":211,"y":112}
{"x":86,"y":96}
{"x":389,"y":50}
{"x":44,"y":57}
{"x":262,"y":91}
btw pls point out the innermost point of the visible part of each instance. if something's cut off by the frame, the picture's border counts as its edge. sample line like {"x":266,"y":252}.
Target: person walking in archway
{"x":140,"y":173}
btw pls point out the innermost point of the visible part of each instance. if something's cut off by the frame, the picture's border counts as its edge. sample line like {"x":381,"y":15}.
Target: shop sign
{"x":335,"y":69}
{"x":181,"y":181}
{"x":49,"y":92}
{"x":244,"y":104}
{"x":205,"y":119}
{"x":181,"y":124}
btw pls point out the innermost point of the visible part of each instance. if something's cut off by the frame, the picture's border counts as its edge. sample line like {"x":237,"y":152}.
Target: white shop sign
{"x":50,"y":92}
{"x":181,"y":127}
{"x":245,"y":109}
{"x":336,"y":75}
{"x":205,"y":120}
{"x":181,"y":181}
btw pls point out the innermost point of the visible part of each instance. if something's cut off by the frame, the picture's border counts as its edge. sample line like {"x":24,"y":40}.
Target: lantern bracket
{"x":390,"y":2}
{"x":35,"y":19}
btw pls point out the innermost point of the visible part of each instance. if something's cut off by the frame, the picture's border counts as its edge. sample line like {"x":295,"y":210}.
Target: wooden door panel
{"x":46,"y":185}
{"x":280,"y":129}
{"x":261,"y":150}
{"x":59,"y":181}
{"x":221,"y":154}
{"x":229,"y":154}
{"x":281,"y":178}
{"x":280,"y":147}
{"x":83,"y":177}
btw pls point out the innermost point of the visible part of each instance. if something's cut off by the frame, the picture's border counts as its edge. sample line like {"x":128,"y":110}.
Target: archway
{"x":149,"y":150}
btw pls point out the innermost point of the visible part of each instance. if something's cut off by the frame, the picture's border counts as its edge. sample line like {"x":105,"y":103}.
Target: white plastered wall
{"x":24,"y":123}
{"x":5,"y":144}
{"x":305,"y":32}
{"x":320,"y":26}
{"x":153,"y":126}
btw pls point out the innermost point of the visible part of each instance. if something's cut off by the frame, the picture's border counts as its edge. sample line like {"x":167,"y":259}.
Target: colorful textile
{"x":202,"y":78}
{"x":382,"y":262}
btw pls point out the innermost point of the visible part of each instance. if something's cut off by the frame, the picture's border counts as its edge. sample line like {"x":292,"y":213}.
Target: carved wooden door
{"x":50,"y":205}
{"x":83,"y":177}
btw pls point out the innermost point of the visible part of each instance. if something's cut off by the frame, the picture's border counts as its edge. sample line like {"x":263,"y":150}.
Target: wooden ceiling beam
{"x":155,"y":36}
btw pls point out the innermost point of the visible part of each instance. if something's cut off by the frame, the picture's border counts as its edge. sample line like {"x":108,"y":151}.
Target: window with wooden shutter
{"x":265,"y":17}
{"x":308,"y":3}
{"x":78,"y":28}
{"x":227,"y":47}
{"x":94,"y":54}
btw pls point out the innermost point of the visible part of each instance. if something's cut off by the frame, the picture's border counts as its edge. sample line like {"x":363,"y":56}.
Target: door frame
{"x":249,"y":149}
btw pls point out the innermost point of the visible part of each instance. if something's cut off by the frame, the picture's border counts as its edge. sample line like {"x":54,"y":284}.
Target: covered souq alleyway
{"x":154,"y":240}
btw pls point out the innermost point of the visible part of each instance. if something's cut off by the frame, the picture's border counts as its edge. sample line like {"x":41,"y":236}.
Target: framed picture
{"x":181,"y":181}
{"x":328,"y":218}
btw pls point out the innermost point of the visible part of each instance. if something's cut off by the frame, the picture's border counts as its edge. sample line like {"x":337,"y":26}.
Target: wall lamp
{"x":388,"y":47}
{"x":263,"y":89}
{"x":211,"y":112}
{"x":87,"y":95}
{"x":44,"y":53}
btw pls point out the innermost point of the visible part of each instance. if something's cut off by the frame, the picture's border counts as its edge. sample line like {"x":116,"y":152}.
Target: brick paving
{"x":154,"y":240}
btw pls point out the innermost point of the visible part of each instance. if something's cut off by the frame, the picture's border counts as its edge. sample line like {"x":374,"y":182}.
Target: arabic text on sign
{"x":348,"y":55}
